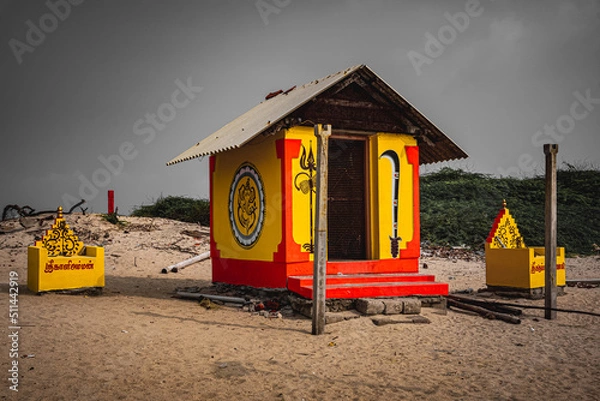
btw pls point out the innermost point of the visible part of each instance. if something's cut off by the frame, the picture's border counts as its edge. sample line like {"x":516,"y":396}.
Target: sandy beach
{"x":137,"y":342}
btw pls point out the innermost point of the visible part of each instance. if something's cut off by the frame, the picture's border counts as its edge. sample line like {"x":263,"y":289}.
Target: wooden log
{"x":524,"y":306}
{"x":382,"y":321}
{"x":556,"y":309}
{"x":222,"y":298}
{"x":174,"y":268}
{"x":583,"y":281}
{"x":493,"y":306}
{"x":484,"y":312}
{"x":28,"y":211}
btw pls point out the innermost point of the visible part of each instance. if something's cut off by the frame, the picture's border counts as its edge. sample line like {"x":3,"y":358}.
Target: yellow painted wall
{"x":261,"y":154}
{"x":508,"y":267}
{"x":49,"y":273}
{"x":302,"y":193}
{"x":521,"y":267}
{"x":382,"y":195}
{"x":538,"y":278}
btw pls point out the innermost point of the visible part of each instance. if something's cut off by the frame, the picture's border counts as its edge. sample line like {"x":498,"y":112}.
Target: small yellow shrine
{"x":59,"y":261}
{"x":510,"y":264}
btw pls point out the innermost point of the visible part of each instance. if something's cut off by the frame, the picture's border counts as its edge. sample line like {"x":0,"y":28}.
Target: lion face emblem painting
{"x":246,"y":205}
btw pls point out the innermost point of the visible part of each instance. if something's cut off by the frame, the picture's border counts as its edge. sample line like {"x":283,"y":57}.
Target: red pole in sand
{"x":111,"y":201}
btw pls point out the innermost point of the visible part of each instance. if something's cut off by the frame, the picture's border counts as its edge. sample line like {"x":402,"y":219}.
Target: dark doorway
{"x":346,"y":209}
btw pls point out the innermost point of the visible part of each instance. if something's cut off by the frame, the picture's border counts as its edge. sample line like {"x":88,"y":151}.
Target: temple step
{"x":370,"y":285}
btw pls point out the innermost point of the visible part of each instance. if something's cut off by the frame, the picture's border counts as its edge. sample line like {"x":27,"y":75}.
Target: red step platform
{"x":370,"y":285}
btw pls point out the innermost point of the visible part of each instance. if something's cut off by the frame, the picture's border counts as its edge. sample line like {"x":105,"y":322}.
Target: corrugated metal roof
{"x":256,"y":120}
{"x":272,"y":111}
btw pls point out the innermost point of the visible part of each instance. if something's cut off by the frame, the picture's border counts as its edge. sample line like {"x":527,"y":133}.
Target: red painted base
{"x":251,"y":273}
{"x":370,"y":285}
{"x":345,"y":279}
{"x":275,"y":274}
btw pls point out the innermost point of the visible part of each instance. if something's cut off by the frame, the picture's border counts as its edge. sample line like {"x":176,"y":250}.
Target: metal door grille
{"x":346,"y":200}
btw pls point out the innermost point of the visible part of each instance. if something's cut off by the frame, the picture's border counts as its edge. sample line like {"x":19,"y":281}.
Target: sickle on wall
{"x":392,"y":156}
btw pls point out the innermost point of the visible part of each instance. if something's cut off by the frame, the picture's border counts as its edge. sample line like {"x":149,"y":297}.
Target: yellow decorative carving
{"x":60,"y":240}
{"x":59,"y":261}
{"x":505,"y":233}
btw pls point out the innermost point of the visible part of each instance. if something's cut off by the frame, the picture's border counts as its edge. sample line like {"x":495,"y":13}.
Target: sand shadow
{"x":148,"y":287}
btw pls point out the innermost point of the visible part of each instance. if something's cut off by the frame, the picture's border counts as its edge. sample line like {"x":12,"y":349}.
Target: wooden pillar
{"x":550,"y":150}
{"x":322,"y":132}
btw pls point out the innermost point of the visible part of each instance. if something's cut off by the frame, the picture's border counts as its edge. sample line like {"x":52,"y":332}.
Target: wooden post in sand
{"x":550,"y":150}
{"x":322,"y":132}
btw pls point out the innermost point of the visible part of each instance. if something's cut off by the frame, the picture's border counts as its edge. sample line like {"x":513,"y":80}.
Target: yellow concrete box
{"x":59,"y":261}
{"x":511,"y":264}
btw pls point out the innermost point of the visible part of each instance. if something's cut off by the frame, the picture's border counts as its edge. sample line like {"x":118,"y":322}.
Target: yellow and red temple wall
{"x":262,"y":198}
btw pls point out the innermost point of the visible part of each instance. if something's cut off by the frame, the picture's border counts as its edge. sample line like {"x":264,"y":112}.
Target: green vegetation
{"x":113,"y":218}
{"x":177,"y":208}
{"x":459,"y":207}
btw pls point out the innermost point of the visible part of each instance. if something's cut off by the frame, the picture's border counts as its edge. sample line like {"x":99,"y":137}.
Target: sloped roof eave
{"x":260,"y":118}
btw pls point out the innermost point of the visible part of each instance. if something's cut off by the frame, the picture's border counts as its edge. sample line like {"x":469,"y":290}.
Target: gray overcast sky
{"x":78,"y":81}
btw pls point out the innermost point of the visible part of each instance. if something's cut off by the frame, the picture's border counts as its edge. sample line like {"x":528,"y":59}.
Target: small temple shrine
{"x":59,"y":261}
{"x":510,"y":265}
{"x":262,"y":170}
